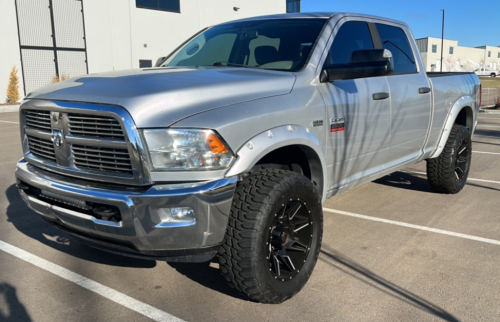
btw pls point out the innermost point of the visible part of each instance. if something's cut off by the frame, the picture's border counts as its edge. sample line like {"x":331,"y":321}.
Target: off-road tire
{"x":244,"y":255}
{"x":448,"y":172}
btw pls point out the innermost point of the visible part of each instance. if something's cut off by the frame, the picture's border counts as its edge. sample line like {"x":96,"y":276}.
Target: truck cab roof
{"x":317,"y":15}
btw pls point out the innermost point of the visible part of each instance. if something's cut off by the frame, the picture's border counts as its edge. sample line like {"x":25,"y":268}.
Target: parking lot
{"x":392,"y":251}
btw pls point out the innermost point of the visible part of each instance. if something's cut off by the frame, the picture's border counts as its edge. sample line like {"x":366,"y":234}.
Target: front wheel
{"x":448,"y":172}
{"x":273,"y":236}
{"x":493,"y":75}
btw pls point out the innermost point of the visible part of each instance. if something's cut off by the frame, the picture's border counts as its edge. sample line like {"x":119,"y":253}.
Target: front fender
{"x":262,"y":144}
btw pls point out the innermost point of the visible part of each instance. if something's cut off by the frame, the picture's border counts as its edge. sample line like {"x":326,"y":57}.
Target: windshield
{"x":279,"y":44}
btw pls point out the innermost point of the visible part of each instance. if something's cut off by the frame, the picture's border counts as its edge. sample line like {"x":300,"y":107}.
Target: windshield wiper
{"x":225,"y":63}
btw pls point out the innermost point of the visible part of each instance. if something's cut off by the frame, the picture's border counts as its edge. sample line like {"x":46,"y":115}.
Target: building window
{"x":451,"y":50}
{"x":434,"y":48}
{"x":498,"y":55}
{"x":164,"y":5}
{"x":292,"y":6}
{"x":489,"y":53}
{"x":144,"y":63}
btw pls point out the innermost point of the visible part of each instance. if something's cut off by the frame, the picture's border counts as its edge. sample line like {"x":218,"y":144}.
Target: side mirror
{"x":160,"y":61}
{"x":364,"y":63}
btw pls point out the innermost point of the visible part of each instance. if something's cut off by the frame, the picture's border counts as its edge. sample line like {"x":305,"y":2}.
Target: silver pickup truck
{"x":232,"y":143}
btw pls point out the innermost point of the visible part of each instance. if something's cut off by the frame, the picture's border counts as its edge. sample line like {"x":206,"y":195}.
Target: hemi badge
{"x":318,"y":123}
{"x":337,"y":124}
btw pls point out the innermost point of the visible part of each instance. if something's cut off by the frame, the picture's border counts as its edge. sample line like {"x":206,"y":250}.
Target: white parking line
{"x":468,"y":179}
{"x":93,"y":286}
{"x":9,"y":122}
{"x":485,"y":152}
{"x":403,"y":224}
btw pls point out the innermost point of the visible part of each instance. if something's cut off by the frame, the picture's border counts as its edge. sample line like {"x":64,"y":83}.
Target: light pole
{"x":442,"y":42}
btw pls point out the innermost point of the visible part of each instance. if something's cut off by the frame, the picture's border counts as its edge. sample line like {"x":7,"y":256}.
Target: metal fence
{"x":490,"y":97}
{"x":52,"y":41}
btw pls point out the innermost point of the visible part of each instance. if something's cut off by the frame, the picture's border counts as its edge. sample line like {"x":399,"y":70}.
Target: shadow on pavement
{"x":405,"y":181}
{"x":32,"y":225}
{"x":487,"y":132}
{"x":207,"y":275}
{"x":412,"y":182}
{"x":355,"y":270}
{"x":15,"y":309}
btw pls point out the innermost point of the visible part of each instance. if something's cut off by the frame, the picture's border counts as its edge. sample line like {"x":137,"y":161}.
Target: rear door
{"x":358,"y":126}
{"x":410,"y":97}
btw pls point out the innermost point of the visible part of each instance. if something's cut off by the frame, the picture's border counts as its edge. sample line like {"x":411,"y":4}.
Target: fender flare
{"x":262,"y":144}
{"x":461,"y":103}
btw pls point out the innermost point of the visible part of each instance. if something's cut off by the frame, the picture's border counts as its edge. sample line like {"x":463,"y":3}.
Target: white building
{"x":45,"y":38}
{"x":455,"y":57}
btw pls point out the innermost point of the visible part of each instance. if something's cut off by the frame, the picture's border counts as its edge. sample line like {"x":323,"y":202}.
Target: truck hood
{"x":159,"y":97}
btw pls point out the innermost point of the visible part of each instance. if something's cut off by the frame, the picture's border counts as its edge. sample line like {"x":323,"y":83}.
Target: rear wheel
{"x":493,"y":75}
{"x":273,"y":236}
{"x":448,"y":172}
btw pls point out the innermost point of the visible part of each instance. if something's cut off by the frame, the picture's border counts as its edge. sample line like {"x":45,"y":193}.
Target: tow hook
{"x":106,"y":213}
{"x":21,"y":186}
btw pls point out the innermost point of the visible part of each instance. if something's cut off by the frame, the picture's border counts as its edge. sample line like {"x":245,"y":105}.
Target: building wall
{"x":118,"y":34}
{"x":462,"y":59}
{"x":493,"y":62}
{"x":9,"y":48}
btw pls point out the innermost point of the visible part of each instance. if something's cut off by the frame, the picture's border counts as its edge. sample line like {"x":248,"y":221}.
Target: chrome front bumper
{"x":139,"y":233}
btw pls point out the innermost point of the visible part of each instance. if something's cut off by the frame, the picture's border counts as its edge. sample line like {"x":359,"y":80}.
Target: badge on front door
{"x":337,"y":124}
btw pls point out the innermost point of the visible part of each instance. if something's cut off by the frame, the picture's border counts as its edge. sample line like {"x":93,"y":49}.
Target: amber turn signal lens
{"x":215,"y":144}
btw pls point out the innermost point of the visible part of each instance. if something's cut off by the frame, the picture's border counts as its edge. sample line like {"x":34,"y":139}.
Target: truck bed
{"x":439,"y":74}
{"x":448,"y":87}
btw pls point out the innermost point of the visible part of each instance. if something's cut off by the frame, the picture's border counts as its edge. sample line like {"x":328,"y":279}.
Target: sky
{"x":472,"y":22}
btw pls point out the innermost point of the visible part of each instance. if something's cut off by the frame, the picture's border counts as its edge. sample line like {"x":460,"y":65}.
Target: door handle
{"x":424,"y":90}
{"x":380,"y":96}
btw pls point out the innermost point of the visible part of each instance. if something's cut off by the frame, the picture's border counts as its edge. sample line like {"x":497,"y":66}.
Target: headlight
{"x":187,"y":149}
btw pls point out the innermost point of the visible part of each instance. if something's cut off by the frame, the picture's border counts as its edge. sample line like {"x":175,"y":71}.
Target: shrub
{"x":62,"y":78}
{"x":13,"y":87}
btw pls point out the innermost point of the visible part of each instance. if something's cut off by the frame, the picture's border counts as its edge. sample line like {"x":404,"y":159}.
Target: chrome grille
{"x":96,"y":144}
{"x":41,"y":148}
{"x":102,"y":159}
{"x":38,"y":120}
{"x":95,"y":126}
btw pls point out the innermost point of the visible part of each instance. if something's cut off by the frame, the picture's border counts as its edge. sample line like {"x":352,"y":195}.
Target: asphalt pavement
{"x":393,"y":250}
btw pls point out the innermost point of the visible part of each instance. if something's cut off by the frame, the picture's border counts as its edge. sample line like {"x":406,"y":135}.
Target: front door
{"x":358,"y":112}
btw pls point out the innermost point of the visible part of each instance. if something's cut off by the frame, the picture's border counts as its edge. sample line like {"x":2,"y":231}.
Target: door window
{"x":395,"y":40}
{"x":352,"y":36}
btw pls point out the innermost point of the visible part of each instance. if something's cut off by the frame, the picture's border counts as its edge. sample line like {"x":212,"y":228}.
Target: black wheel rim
{"x":462,"y":160}
{"x":289,"y":241}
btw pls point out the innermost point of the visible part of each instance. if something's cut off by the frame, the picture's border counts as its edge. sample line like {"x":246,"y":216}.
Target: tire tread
{"x":440,"y":170}
{"x":252,"y":199}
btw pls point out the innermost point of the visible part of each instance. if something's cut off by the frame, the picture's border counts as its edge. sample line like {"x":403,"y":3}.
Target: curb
{"x":9,"y":108}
